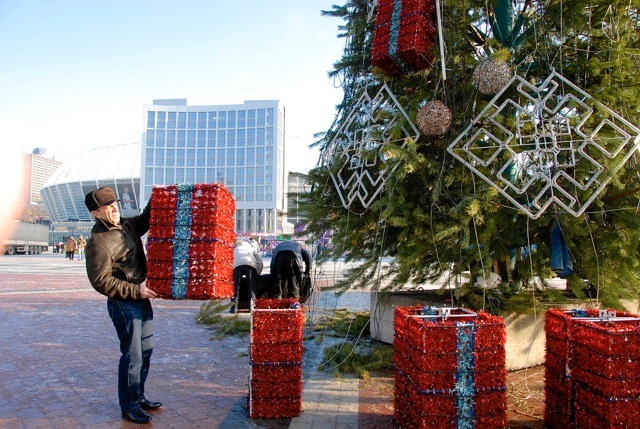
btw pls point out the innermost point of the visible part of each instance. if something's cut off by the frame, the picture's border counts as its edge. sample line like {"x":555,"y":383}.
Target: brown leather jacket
{"x":116,"y":262}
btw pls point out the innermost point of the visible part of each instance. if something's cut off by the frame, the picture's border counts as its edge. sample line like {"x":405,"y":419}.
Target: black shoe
{"x":136,"y":416}
{"x":145,"y":404}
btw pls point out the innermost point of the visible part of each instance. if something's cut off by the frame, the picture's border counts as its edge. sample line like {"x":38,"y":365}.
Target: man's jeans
{"x":133,"y":321}
{"x":80,"y":253}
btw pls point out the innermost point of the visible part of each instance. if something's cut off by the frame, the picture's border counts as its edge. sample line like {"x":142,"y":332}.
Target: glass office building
{"x":239,"y":145}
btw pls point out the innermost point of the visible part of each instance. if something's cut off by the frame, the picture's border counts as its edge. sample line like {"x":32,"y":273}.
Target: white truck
{"x":28,"y":238}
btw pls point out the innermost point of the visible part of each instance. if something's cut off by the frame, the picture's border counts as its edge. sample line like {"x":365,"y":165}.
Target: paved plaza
{"x":59,"y":356}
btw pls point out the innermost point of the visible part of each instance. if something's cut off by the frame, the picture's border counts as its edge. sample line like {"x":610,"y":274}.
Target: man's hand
{"x":145,"y":292}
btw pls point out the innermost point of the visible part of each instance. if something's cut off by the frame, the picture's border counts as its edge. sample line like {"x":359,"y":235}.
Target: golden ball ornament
{"x":434,"y":119}
{"x":491,"y":76}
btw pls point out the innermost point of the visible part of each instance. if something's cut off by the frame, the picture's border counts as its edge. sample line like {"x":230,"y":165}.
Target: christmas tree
{"x":511,"y":159}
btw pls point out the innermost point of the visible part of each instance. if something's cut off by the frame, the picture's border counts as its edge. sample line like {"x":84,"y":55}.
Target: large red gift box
{"x":275,"y":382}
{"x":449,"y":368}
{"x":404,"y":36}
{"x":190,"y":242}
{"x":591,"y":369}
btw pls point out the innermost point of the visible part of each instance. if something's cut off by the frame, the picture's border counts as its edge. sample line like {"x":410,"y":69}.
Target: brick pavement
{"x":59,"y":358}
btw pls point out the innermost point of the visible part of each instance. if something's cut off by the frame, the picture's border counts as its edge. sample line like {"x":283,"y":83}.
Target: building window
{"x":239,"y":156}
{"x":151,"y":119}
{"x":169,"y":175}
{"x":171,"y":120}
{"x":181,"y":138}
{"x":242,"y":118}
{"x":261,"y":117}
{"x":159,"y":157}
{"x":220,"y":158}
{"x":191,"y":157}
{"x":250,"y":179}
{"x":231,"y":119}
{"x":260,"y":139}
{"x":182,"y":120}
{"x":171,"y":138}
{"x":251,"y":156}
{"x":240,"y":138}
{"x":160,"y":138}
{"x":211,"y":119}
{"x":161,"y":120}
{"x":202,"y":138}
{"x":191,"y":138}
{"x":222,"y":119}
{"x":251,"y":121}
{"x":193,"y":119}
{"x":202,"y":120}
{"x":222,"y":138}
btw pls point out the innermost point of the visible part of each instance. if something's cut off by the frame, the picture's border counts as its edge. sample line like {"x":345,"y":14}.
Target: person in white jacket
{"x":247,"y":265}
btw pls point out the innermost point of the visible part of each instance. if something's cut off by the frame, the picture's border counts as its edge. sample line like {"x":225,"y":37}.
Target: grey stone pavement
{"x":59,"y":356}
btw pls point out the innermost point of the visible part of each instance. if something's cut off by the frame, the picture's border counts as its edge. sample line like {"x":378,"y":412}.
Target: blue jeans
{"x":80,"y":253}
{"x":133,"y":321}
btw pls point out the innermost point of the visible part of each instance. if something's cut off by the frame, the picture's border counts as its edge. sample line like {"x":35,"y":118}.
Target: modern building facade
{"x":239,"y":145}
{"x":117,"y":166}
{"x":38,"y":168}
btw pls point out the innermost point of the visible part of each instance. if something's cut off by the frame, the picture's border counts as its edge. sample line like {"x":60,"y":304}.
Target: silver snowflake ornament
{"x":549,"y":144}
{"x":357,"y":156}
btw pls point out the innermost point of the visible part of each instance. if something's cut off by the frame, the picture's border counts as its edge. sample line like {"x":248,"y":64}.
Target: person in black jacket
{"x":117,"y":268}
{"x":287,"y":274}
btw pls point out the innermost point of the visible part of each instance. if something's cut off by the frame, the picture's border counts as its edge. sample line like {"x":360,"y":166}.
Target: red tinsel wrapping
{"x":276,"y":358}
{"x":612,"y":410}
{"x":191,"y":239}
{"x":274,"y":408}
{"x":608,"y":338}
{"x":613,"y":367}
{"x":585,"y":419}
{"x":403,"y":42}
{"x":426,"y":370}
{"x":278,"y":389}
{"x":283,"y":304}
{"x":266,"y":352}
{"x":274,"y":373}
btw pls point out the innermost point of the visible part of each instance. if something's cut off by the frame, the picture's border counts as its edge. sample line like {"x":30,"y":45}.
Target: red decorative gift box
{"x":275,"y":382}
{"x":591,"y":369}
{"x":404,"y":36}
{"x":191,"y":239}
{"x":449,"y":368}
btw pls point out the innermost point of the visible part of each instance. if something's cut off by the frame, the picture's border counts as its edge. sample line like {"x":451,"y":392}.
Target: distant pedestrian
{"x":81,"y":243}
{"x":117,"y":268}
{"x":71,"y":247}
{"x":287,"y":275}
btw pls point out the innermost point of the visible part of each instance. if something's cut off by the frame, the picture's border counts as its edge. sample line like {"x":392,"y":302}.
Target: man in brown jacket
{"x":117,"y":268}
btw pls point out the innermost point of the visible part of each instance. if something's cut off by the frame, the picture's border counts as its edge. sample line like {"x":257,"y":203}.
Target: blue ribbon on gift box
{"x":182,"y":234}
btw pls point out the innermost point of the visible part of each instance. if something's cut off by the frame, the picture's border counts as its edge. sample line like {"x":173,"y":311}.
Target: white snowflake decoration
{"x":551,"y":143}
{"x":356,"y":156}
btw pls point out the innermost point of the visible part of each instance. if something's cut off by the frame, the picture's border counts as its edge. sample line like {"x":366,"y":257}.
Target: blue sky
{"x":75,"y":74}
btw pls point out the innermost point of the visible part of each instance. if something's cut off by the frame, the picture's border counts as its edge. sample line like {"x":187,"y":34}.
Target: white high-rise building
{"x":239,"y":145}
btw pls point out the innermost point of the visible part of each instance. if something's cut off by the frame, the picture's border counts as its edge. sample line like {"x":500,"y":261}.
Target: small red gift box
{"x":404,"y":36}
{"x":449,"y":368}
